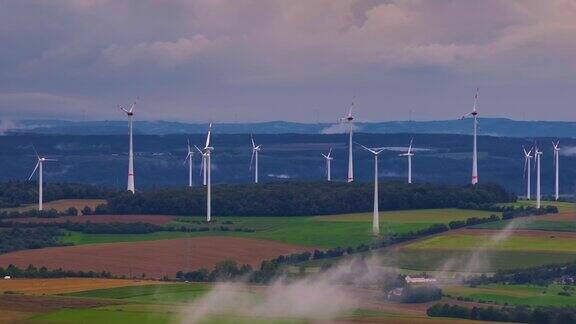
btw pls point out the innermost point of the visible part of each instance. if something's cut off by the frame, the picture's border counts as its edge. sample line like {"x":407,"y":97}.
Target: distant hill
{"x":501,"y":127}
{"x":159,"y":159}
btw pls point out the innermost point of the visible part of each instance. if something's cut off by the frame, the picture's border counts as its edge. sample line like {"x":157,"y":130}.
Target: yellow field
{"x":65,"y":285}
{"x":444,"y":215}
{"x":61,"y":205}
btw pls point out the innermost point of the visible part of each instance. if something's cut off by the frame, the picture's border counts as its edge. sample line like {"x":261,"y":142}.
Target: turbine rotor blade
{"x":203,"y":163}
{"x":208,"y":137}
{"x":252,"y":160}
{"x":475,"y":107}
{"x":35,"y":168}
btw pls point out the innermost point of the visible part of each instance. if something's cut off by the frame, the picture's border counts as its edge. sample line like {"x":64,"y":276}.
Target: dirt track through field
{"x":156,"y":259}
{"x":151,"y":219}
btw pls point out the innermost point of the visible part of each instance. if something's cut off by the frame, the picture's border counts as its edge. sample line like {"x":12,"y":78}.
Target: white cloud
{"x":162,"y":53}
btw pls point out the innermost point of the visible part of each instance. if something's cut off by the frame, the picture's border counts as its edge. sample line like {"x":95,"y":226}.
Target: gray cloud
{"x":247,"y":60}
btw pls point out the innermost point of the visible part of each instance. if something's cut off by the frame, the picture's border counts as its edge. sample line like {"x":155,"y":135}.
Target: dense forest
{"x":302,"y":198}
{"x":540,"y":315}
{"x":158,"y":162}
{"x":17,"y":193}
{"x":15,"y":239}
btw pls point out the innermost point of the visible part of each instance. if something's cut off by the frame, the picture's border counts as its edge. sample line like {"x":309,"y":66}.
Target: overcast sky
{"x":296,"y":60}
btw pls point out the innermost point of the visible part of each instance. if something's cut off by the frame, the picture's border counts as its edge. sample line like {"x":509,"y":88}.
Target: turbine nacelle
{"x":128,"y":109}
{"x":374,"y":150}
{"x":556,"y":146}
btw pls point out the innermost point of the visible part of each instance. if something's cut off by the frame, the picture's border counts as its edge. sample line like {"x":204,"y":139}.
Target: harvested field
{"x":557,"y":217}
{"x":155,"y":259}
{"x":62,"y":204}
{"x":524,"y":233}
{"x":65,"y":285}
{"x":151,"y":219}
{"x":493,"y":240}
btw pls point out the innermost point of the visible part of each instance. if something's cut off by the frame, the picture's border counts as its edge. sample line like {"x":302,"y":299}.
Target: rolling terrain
{"x":440,"y":158}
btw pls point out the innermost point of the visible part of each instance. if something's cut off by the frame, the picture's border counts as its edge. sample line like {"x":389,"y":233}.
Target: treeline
{"x":303,"y":198}
{"x":541,"y":275}
{"x":53,"y":213}
{"x":17,"y":193}
{"x":229,"y":270}
{"x":509,"y":212}
{"x":122,"y":228}
{"x":15,"y":239}
{"x":33,"y":272}
{"x":540,"y":315}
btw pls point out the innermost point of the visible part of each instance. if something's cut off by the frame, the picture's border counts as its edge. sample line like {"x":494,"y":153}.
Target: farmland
{"x":151,"y":219}
{"x":161,"y":254}
{"x":318,"y":231}
{"x":525,"y":295}
{"x":152,"y":259}
{"x":63,"y":285}
{"x":521,"y":240}
{"x":61,"y":205}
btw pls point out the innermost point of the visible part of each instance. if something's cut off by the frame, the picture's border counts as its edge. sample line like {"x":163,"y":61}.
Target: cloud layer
{"x":249,"y":60}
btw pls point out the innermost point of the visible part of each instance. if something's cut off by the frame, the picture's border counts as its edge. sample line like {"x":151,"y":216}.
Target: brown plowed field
{"x":156,"y":259}
{"x":152,"y":219}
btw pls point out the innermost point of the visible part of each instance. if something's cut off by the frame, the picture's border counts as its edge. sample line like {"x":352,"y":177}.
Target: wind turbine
{"x":329,"y":159}
{"x":474,"y":115}
{"x":409,"y":155}
{"x":350,"y":120}
{"x":254,"y":159}
{"x":129,"y":110}
{"x":207,"y":165}
{"x":376,"y":215}
{"x":190,"y":159}
{"x":39,"y":167}
{"x":556,"y":168}
{"x":528,"y":171}
{"x":537,"y":155}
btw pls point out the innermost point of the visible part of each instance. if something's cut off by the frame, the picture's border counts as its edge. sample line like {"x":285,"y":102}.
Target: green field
{"x":519,"y":243}
{"x":527,"y":295}
{"x":170,"y":293}
{"x":138,"y":314}
{"x":319,"y":231}
{"x":167,"y":303}
{"x":431,"y":260}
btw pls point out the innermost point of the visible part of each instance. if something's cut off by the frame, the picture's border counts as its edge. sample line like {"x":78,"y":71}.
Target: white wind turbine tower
{"x":329,"y":159}
{"x":528,"y":171}
{"x":556,"y":169}
{"x":376,"y":215}
{"x":207,"y":166}
{"x":474,"y":115}
{"x":39,"y":167}
{"x":350,"y":120}
{"x":190,"y":159}
{"x":537,"y":155}
{"x":409,"y":155}
{"x":254,"y":159}
{"x":129,"y":110}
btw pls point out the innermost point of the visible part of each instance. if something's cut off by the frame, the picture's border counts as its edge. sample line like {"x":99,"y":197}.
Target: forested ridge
{"x":303,"y":198}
